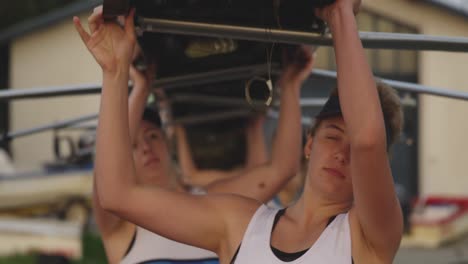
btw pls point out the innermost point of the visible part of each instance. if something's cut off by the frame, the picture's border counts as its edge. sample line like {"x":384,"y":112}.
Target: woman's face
{"x":329,"y":161}
{"x":151,"y":155}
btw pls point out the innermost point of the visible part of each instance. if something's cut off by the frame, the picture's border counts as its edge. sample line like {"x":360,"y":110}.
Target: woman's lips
{"x":334,"y":172}
{"x":151,"y":161}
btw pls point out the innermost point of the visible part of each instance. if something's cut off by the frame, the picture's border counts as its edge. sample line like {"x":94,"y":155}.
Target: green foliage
{"x":93,"y":253}
{"x":93,"y":250}
{"x":18,"y":259}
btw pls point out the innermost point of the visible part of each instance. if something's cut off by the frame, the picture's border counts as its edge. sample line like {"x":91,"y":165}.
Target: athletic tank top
{"x":332,"y":247}
{"x":150,"y":248}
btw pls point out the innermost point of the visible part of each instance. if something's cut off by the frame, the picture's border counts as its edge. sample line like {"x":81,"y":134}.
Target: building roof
{"x":457,"y":6}
{"x":47,"y":19}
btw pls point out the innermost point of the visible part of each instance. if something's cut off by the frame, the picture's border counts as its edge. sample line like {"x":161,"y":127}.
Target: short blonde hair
{"x":391,"y":109}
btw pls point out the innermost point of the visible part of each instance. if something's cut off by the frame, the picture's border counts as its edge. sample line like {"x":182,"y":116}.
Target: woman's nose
{"x":343,"y":155}
{"x":145,"y":146}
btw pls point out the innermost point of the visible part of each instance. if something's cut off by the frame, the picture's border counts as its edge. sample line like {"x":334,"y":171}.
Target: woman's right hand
{"x":328,"y":12}
{"x":110,"y":44}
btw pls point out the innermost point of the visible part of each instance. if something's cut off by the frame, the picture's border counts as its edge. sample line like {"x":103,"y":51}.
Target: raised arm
{"x":263,"y":182}
{"x":117,"y":233}
{"x":138,"y":97}
{"x":191,"y":174}
{"x":195,"y":220}
{"x":376,"y":205}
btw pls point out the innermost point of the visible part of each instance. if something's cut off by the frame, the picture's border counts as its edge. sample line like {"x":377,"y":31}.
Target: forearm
{"x":184,"y":153}
{"x":256,"y":148}
{"x":287,"y":143}
{"x":114,"y":163}
{"x":137,"y":103}
{"x":357,"y":90}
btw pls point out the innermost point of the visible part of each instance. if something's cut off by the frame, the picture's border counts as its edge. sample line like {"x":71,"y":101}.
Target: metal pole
{"x":214,"y":100}
{"x":185,"y":120}
{"x":217,"y":76}
{"x":259,"y":105}
{"x":375,"y":40}
{"x":226,"y":101}
{"x":166,"y":83}
{"x":405,"y":86}
{"x":55,"y":125}
{"x":12,"y":94}
{"x":230,"y":74}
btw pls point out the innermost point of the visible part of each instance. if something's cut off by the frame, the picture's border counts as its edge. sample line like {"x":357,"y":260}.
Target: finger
{"x":129,"y":24}
{"x":318,"y":13}
{"x":356,"y":6}
{"x":307,"y":50}
{"x":79,"y":28}
{"x":137,"y":52}
{"x":301,"y":56}
{"x":98,"y":9}
{"x":95,"y":20}
{"x":310,"y":63}
{"x":133,"y":72}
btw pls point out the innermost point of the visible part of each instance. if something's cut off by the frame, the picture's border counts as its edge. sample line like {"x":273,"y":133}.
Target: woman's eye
{"x":332,"y":137}
{"x":154,"y":135}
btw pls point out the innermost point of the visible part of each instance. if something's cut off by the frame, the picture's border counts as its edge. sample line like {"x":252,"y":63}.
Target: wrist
{"x":338,"y":15}
{"x":290,"y":90}
{"x":286,"y":86}
{"x":117,"y":74}
{"x":143,"y":87}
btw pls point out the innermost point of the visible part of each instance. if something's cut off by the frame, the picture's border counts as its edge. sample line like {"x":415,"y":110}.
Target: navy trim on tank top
{"x":130,"y":246}
{"x":181,"y":261}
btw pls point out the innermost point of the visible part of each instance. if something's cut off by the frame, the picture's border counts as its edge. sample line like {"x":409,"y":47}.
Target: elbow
{"x":286,"y":165}
{"x":367,"y":144}
{"x":287,"y":171}
{"x":111,"y":197}
{"x":109,"y":201}
{"x":369,"y":139}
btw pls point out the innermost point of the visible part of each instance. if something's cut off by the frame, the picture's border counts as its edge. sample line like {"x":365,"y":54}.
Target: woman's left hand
{"x":298,"y":67}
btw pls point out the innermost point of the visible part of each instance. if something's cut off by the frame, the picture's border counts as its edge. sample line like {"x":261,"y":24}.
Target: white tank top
{"x":332,"y":247}
{"x":149,"y":248}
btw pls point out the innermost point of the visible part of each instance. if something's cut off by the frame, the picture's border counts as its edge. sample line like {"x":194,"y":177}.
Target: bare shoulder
{"x":362,"y":250}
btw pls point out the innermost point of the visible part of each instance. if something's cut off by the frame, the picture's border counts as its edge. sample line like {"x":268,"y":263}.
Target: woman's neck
{"x":312,"y":207}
